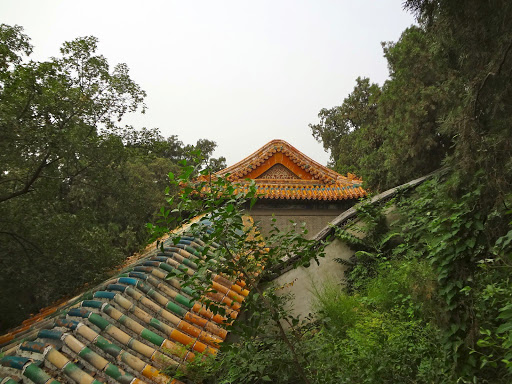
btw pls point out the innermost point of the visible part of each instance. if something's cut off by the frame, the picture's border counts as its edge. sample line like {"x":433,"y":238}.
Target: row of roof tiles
{"x":288,"y":191}
{"x":130,"y":330}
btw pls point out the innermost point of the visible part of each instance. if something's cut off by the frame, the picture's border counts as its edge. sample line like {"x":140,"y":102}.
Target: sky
{"x":236,"y":72}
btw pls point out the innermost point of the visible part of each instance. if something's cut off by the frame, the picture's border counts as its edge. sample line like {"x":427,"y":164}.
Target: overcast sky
{"x":237,"y":72}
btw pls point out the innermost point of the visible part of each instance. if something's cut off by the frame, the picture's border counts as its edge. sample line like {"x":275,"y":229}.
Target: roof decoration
{"x":281,"y":172}
{"x":127,"y":330}
{"x":278,"y":171}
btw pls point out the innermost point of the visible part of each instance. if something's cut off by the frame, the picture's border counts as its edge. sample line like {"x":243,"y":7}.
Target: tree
{"x":391,"y":134}
{"x":53,"y":112}
{"x":477,"y":38}
{"x":414,"y":101}
{"x":76,"y":187}
{"x":14,"y":46}
{"x":54,"y":119}
{"x":358,"y":111}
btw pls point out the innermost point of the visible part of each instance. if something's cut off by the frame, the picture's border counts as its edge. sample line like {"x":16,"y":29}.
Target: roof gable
{"x":279,"y":151}
{"x":283,"y":172}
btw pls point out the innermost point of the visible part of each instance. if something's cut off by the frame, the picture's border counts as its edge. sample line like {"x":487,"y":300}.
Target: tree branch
{"x":31,"y":181}
{"x":498,"y":70}
{"x":19,"y":239}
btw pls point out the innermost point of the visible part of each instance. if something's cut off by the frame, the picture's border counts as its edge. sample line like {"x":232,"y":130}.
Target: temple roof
{"x":283,"y":172}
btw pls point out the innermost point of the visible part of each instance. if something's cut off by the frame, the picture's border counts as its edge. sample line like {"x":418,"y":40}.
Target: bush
{"x":362,"y":343}
{"x":408,"y":288}
{"x":335,"y":307}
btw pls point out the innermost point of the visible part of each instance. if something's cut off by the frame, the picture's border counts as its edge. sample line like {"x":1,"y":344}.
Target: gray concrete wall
{"x":316,"y":214}
{"x":315,"y":220}
{"x":302,"y":282}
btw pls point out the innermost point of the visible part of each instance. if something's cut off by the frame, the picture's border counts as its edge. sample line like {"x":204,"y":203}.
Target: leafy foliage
{"x":450,"y":270}
{"x":378,"y":348}
{"x":76,"y":188}
{"x":371,"y":239}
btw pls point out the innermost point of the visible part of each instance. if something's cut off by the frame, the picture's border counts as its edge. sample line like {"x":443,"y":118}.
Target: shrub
{"x":408,"y":288}
{"x":362,"y":342}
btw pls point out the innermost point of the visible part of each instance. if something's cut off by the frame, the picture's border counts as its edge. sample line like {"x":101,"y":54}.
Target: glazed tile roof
{"x":128,"y":329}
{"x":282,"y":172}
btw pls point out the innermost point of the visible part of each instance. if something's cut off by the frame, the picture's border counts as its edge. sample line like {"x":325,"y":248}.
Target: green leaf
{"x":507,"y":327}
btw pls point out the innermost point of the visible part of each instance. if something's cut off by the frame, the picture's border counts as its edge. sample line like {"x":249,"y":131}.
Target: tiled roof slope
{"x":128,"y":329}
{"x":280,"y":172}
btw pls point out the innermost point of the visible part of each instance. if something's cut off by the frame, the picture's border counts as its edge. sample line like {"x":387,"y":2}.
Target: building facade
{"x":292,"y":186}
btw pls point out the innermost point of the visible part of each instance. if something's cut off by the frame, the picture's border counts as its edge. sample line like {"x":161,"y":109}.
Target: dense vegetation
{"x":76,"y":188}
{"x":427,"y":298}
